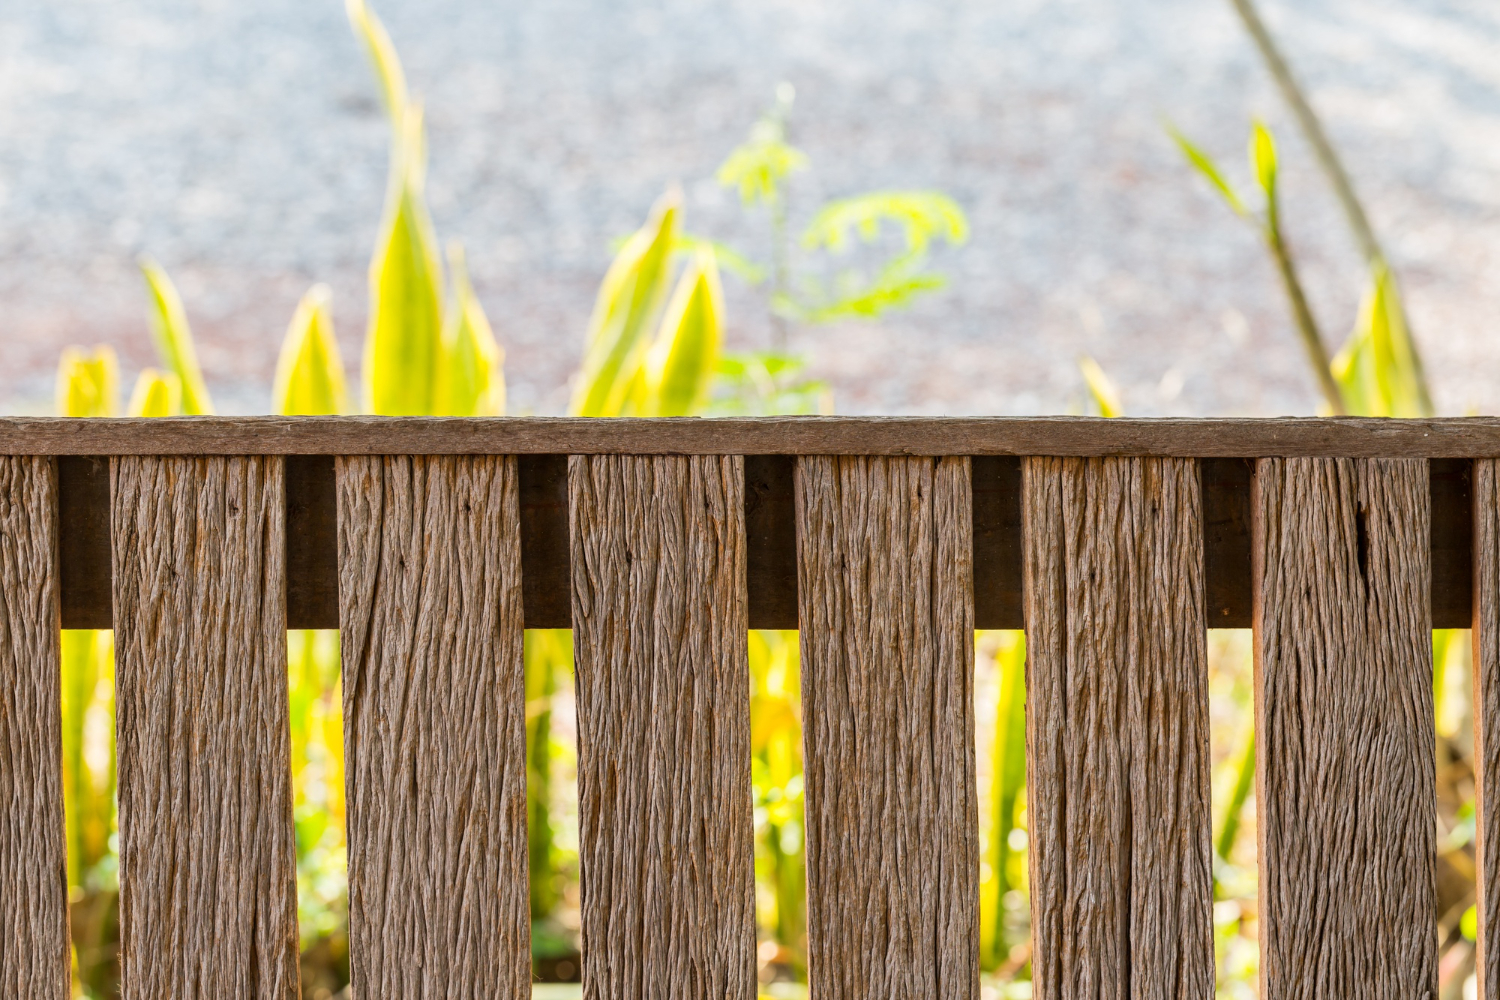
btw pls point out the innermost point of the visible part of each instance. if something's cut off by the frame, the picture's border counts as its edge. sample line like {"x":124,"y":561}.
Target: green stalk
{"x":1244,"y":785}
{"x":542,"y":665}
{"x":1009,"y":781}
{"x":1307,"y":325}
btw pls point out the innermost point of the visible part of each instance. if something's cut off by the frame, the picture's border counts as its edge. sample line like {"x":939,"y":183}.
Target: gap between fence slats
{"x":1117,"y":730}
{"x":886,"y":594}
{"x":33,"y":859}
{"x":1346,"y":799}
{"x":659,"y":631}
{"x":434,"y":719}
{"x":208,"y":894}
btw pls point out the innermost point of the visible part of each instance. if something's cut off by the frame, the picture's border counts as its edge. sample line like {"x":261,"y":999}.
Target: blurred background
{"x":955,"y":207}
{"x":244,"y":147}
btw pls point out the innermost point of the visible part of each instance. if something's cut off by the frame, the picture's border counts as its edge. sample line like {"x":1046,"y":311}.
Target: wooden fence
{"x":432,"y":544}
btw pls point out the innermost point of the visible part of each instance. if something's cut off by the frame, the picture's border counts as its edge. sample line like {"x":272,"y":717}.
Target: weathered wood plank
{"x":1117,"y":730}
{"x":1486,"y":637}
{"x":1346,"y":799}
{"x":208,"y":894}
{"x":33,"y":852}
{"x":886,"y":590}
{"x":434,"y":721}
{"x":1354,"y":437}
{"x":659,"y":634}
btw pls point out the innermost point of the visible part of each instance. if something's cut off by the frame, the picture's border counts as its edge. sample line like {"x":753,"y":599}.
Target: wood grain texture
{"x":33,"y":852}
{"x":1117,"y":730}
{"x":663,"y":686}
{"x":1486,"y":637}
{"x":434,"y":721}
{"x":886,"y":588}
{"x":1355,"y":437}
{"x":208,"y":892}
{"x":1346,"y":799}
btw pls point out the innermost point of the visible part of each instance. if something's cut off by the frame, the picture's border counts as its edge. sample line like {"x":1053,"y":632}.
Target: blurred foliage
{"x":309,"y":372}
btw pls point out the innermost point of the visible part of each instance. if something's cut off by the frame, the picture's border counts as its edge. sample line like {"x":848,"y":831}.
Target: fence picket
{"x":33,"y":861}
{"x":1346,"y":778}
{"x":434,"y":720}
{"x":885,"y":587}
{"x":1486,"y":487}
{"x":208,"y":898}
{"x":666,"y":825}
{"x":1117,"y":729}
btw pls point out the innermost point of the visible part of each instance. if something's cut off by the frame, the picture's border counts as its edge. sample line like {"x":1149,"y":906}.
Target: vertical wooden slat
{"x":663,"y":688}
{"x":885,"y":583}
{"x":1117,"y":730}
{"x":33,"y":861}
{"x":208,"y":894}
{"x":1346,"y":799}
{"x":434,"y":721}
{"x":1486,"y":637}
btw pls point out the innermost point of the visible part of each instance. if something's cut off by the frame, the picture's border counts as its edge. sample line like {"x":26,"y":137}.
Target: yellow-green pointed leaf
{"x":1206,"y":166}
{"x":88,"y":384}
{"x":405,"y":328}
{"x":1263,"y":158}
{"x":679,"y":369}
{"x":629,"y":301}
{"x":1375,"y":369}
{"x":1101,"y":388}
{"x":471,"y":379}
{"x":174,"y":340}
{"x":156,"y":394}
{"x":310,"y":372}
{"x":382,"y":54}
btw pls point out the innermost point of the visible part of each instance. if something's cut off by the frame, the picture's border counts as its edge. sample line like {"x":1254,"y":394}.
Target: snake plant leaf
{"x":404,"y":335}
{"x":1008,"y":784}
{"x":1375,"y":369}
{"x":1101,"y":387}
{"x":471,"y":379}
{"x":685,"y":355}
{"x":310,"y":371}
{"x":88,"y":384}
{"x":156,"y":394}
{"x":383,"y":56}
{"x":1209,"y":169}
{"x":174,"y":340}
{"x":1263,"y":158}
{"x":629,"y":302}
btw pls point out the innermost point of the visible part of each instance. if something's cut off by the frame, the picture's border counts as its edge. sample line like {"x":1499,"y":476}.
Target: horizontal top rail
{"x":1280,"y":437}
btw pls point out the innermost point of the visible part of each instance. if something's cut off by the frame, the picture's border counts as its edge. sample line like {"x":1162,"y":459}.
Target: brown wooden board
{"x":1354,"y":437}
{"x":659,"y":634}
{"x":312,"y":583}
{"x":34,"y":955}
{"x":434,"y":722}
{"x":1346,"y":799}
{"x":208,"y":890}
{"x":884,"y":549}
{"x":1486,"y":637}
{"x":1117,"y":730}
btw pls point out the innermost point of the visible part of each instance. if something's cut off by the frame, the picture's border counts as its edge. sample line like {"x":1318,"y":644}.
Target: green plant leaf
{"x":471,"y":381}
{"x":88,"y":384}
{"x":310,"y":371}
{"x":921,"y":216}
{"x":759,"y":165}
{"x":174,"y":340}
{"x":1263,"y":158}
{"x":682,"y":361}
{"x":629,"y":302}
{"x":1101,"y":388}
{"x":404,"y":335}
{"x":1008,"y":783}
{"x":369,"y":29}
{"x":1210,"y":170}
{"x":156,"y":394}
{"x":1375,"y":369}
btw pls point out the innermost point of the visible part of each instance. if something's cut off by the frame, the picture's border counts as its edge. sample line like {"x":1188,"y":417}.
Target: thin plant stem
{"x":1307,"y":326}
{"x":1332,"y":167}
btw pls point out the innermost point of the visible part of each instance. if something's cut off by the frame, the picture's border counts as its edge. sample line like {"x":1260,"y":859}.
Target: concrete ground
{"x":243,"y":146}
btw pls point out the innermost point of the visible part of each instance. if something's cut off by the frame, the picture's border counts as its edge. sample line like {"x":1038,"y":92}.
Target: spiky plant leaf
{"x":174,"y":340}
{"x":383,"y":56}
{"x":629,"y":302}
{"x":1209,"y":169}
{"x":1375,"y":369}
{"x":1101,"y":387}
{"x":680,"y":366}
{"x":1263,"y":158}
{"x":88,"y":384}
{"x":156,"y":394}
{"x":310,"y":371}
{"x":471,"y":378}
